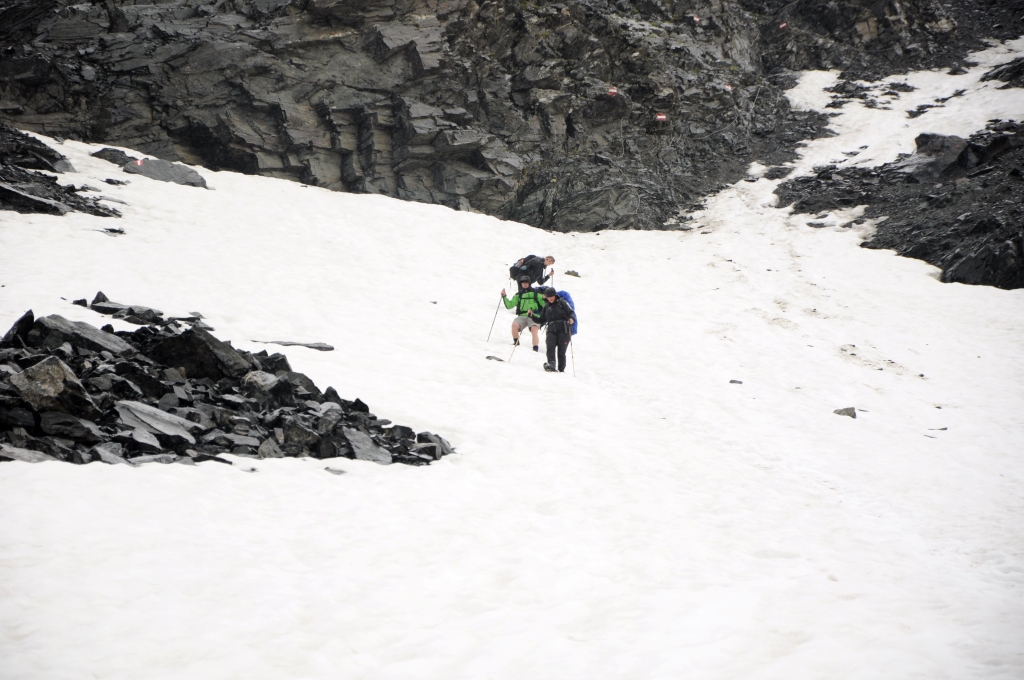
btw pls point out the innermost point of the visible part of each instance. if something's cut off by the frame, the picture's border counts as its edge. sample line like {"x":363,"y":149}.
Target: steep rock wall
{"x":568,"y":116}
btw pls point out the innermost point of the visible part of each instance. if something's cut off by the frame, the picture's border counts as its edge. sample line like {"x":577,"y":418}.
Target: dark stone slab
{"x":68,"y":426}
{"x":319,"y":346}
{"x":115,"y":156}
{"x":24,"y":455}
{"x":165,"y":171}
{"x":364,"y":447}
{"x":18,"y":333}
{"x":15,"y":416}
{"x":201,"y":355}
{"x":111,"y":453}
{"x":442,"y":444}
{"x":55,"y":330}
{"x":300,"y":381}
{"x":164,"y":458}
{"x":935,"y":154}
{"x":164,"y":426}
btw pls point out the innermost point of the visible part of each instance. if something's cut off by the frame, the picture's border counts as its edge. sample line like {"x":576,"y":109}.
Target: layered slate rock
{"x":170,"y":392}
{"x":24,"y":190}
{"x":165,"y":171}
{"x":54,"y":330}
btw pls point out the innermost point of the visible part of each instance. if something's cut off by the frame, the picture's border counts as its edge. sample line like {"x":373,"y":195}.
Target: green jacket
{"x":525,"y":301}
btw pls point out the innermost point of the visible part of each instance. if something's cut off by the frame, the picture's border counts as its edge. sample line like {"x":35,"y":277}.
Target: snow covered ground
{"x":645,"y":519}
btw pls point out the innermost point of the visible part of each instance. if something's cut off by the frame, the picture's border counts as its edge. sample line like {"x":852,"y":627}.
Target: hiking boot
{"x":549,"y":368}
{"x":536,"y":348}
{"x":515,"y":341}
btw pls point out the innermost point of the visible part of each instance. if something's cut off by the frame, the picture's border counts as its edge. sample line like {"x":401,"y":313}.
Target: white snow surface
{"x":644,"y":519}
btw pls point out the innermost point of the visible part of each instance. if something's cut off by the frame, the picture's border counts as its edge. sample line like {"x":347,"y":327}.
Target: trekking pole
{"x":493,"y":320}
{"x":572,"y":354}
{"x":513,"y":352}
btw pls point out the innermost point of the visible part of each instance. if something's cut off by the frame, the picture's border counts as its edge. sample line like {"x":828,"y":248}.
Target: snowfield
{"x":645,"y":519}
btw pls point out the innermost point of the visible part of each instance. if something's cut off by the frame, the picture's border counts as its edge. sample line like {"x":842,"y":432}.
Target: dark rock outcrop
{"x":24,"y":190}
{"x":867,"y":39}
{"x":115,"y":156}
{"x":956,"y":203}
{"x":175,"y":394}
{"x":1011,"y":73}
{"x":568,"y":116}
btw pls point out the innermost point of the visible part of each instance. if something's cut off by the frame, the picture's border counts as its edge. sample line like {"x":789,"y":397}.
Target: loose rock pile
{"x":955,"y":203}
{"x":171,"y":392}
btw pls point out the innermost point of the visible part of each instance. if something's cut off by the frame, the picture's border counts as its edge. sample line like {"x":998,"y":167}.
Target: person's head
{"x":524,"y":282}
{"x":548,"y":261}
{"x":550,"y":294}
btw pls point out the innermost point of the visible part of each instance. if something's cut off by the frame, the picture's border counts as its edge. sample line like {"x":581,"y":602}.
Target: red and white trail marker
{"x":613,"y":91}
{"x":661,"y":117}
{"x":783,"y":26}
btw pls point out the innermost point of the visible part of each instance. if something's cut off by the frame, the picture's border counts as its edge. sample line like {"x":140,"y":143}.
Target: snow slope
{"x":645,"y":519}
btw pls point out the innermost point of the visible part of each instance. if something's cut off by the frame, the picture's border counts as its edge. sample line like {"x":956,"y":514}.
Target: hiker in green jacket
{"x":528,"y":303}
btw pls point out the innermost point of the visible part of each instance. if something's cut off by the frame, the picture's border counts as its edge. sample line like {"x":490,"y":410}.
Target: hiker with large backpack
{"x":533,"y":267}
{"x":528,"y":303}
{"x":558,"y":316}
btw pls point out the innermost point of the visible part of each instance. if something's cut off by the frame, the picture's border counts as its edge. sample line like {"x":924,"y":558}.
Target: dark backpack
{"x":520,"y":267}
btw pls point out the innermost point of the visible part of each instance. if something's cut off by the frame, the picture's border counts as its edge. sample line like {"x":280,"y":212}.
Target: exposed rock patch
{"x":1011,"y":73}
{"x":956,"y":203}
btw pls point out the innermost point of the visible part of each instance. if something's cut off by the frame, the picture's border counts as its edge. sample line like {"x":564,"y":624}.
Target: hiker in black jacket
{"x":558,"y":316}
{"x":532,"y":266}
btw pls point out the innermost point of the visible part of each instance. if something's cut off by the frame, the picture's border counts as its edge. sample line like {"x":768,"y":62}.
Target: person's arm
{"x":541,"y":316}
{"x":570,"y":316}
{"x":510,"y":302}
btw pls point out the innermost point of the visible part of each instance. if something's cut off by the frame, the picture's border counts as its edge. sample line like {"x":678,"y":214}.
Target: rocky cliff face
{"x":580,"y":115}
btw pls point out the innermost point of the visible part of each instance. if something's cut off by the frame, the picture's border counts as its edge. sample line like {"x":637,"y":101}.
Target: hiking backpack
{"x":564,"y":294}
{"x":519,"y":268}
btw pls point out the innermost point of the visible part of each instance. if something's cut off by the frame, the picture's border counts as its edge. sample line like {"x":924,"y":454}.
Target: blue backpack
{"x":568,"y":298}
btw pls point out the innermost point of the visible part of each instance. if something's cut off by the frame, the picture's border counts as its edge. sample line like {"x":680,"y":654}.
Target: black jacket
{"x":532,"y":266}
{"x":556,"y":315}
